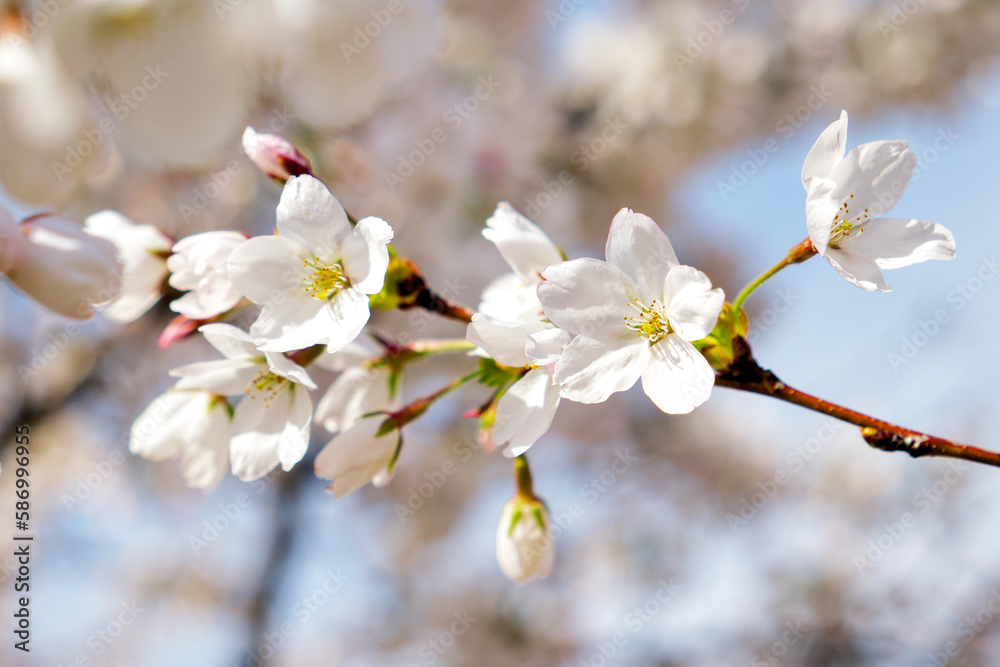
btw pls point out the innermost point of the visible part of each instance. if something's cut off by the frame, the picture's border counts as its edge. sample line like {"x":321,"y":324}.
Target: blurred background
{"x":747,"y":533}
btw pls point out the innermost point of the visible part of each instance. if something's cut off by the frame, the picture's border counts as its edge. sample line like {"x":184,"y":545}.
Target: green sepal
{"x":492,"y":374}
{"x":514,"y":518}
{"x":717,"y":347}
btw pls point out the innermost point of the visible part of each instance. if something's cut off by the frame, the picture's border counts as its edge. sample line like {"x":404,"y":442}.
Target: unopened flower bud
{"x":65,"y":269}
{"x":275,"y":156}
{"x":525,"y":548}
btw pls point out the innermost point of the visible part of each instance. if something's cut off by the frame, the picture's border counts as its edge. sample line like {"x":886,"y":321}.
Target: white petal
{"x":228,"y":377}
{"x":65,"y":269}
{"x":231,"y":341}
{"x":302,"y":321}
{"x":857,"y":269}
{"x":356,"y":456}
{"x":365,"y":254}
{"x":285,"y":367}
{"x":503,"y":341}
{"x":590,"y":297}
{"x":266,"y":268}
{"x":523,"y":245}
{"x":294,"y":440}
{"x":308,"y":214}
{"x":258,"y":430}
{"x":545,"y":347}
{"x":358,"y":391}
{"x":356,"y":352}
{"x":506,"y":298}
{"x":821,"y":207}
{"x":590,"y":371}
{"x":678,"y":378}
{"x":206,"y":459}
{"x":877,"y":174}
{"x":691,"y":304}
{"x":348,"y":312}
{"x":153,"y":435}
{"x":826,"y":152}
{"x":894,"y":243}
{"x":295,"y":323}
{"x":638,"y":246}
{"x":525,"y":411}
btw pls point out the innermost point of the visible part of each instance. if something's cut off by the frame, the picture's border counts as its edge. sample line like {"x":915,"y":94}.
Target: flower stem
{"x":800,"y":253}
{"x":746,"y":375}
{"x":523,"y":476}
{"x":415,"y":409}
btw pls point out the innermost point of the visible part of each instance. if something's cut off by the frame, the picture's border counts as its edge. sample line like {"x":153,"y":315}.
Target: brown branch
{"x":746,"y":375}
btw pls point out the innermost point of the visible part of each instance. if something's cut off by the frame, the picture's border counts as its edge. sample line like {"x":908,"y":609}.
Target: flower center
{"x":268,"y":385}
{"x":844,"y":223}
{"x":650,"y":322}
{"x":326,"y":280}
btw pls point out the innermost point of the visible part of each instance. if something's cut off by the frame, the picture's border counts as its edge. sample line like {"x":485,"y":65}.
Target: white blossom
{"x":636,"y":315}
{"x":312,"y":279}
{"x":190,"y":424}
{"x":846,"y":194}
{"x":199,"y":266}
{"x":143,"y":250}
{"x":271,"y":424}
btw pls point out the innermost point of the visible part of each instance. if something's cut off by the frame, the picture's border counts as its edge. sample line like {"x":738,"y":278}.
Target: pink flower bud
{"x":179,"y":328}
{"x":275,"y":156}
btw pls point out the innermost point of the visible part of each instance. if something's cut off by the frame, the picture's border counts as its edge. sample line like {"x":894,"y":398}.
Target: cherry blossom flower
{"x":199,"y":266}
{"x":365,"y":385}
{"x":62,"y":267}
{"x":275,"y":156}
{"x":143,"y":250}
{"x":271,"y":424}
{"x":527,"y":250}
{"x":526,"y":409}
{"x":636,"y":315}
{"x":365,"y":452}
{"x":313,"y":278}
{"x":845,"y":194}
{"x":192,"y":425}
{"x":525,"y":547}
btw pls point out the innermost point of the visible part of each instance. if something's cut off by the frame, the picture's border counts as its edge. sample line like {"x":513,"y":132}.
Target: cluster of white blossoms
{"x":552,"y":329}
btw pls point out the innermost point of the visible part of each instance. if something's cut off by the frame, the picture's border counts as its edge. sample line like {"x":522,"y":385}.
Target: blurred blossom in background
{"x":749,"y":532}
